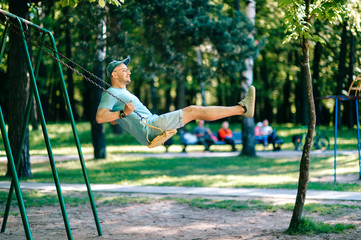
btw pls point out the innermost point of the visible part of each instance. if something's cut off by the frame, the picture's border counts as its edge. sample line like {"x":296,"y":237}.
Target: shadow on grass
{"x":198,"y":172}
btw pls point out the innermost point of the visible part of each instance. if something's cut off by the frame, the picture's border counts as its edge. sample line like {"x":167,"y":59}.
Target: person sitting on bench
{"x":204,"y":135}
{"x":225,"y":134}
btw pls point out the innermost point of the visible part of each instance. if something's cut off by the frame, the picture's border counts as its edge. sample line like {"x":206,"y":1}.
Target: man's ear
{"x":113,"y":75}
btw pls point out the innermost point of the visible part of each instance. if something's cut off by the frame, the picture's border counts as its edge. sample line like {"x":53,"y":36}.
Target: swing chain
{"x":55,"y":52}
{"x":160,"y":139}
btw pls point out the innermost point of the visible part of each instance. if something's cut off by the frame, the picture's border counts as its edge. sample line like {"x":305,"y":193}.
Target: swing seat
{"x":355,"y":85}
{"x":161,"y":138}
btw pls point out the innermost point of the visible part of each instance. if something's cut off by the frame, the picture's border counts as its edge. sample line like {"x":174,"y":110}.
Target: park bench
{"x":237,"y":138}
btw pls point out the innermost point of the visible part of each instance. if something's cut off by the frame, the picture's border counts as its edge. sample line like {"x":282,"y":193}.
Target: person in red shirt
{"x":225,"y":134}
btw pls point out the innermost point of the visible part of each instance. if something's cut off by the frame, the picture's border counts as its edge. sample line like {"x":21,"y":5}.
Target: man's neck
{"x":117,"y":85}
{"x":120,"y":87}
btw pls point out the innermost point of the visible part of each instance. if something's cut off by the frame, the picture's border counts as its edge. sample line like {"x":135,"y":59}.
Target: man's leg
{"x":210,"y":142}
{"x":231,"y":142}
{"x":212,"y":113}
{"x":204,"y":143}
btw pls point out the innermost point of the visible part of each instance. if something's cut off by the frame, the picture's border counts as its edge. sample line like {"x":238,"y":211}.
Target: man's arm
{"x":105,"y":115}
{"x":197,"y":132}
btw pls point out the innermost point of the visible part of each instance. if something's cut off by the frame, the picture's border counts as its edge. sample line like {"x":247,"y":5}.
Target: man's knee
{"x":190,"y":113}
{"x":191,"y":108}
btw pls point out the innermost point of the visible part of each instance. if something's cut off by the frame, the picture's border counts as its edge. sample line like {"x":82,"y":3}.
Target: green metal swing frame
{"x":34,"y":92}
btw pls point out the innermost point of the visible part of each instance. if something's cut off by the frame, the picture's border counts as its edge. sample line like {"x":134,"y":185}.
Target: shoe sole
{"x":251,"y":89}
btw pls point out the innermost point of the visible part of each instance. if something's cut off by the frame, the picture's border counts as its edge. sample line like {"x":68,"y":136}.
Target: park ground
{"x":132,"y":215}
{"x":136,"y":215}
{"x":158,"y":216}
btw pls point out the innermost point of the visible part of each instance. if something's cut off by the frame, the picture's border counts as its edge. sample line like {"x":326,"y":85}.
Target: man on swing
{"x":112,"y":110}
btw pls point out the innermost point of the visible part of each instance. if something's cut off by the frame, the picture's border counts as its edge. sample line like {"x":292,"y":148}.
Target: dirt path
{"x":167,"y":219}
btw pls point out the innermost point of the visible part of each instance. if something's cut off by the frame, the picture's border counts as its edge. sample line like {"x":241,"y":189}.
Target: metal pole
{"x":7,"y":209}
{"x":77,"y":141}
{"x":3,"y":40}
{"x":23,"y":133}
{"x":335,"y":148}
{"x":9,"y":154}
{"x":46,"y":136}
{"x":358,"y":137}
{"x":17,"y":157}
{"x":22,"y":19}
{"x":43,"y":123}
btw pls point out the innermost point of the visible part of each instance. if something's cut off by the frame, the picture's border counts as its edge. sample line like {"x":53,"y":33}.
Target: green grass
{"x":39,"y":199}
{"x":308,"y":226}
{"x":232,"y":205}
{"x":323,"y":209}
{"x":34,"y":198}
{"x":62,"y":139}
{"x":199,"y":172}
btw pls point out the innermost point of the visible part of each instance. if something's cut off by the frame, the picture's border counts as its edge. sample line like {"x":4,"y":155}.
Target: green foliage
{"x":174,"y":30}
{"x":308,"y":226}
{"x":231,"y":38}
{"x":300,"y":14}
{"x":162,"y":38}
{"x":74,"y":3}
{"x":354,"y":10}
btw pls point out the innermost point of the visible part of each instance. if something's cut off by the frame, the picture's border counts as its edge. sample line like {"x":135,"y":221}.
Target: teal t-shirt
{"x":132,"y":123}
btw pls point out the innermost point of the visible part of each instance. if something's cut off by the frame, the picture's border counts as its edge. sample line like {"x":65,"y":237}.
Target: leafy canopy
{"x":299,"y":15}
{"x":73,"y":3}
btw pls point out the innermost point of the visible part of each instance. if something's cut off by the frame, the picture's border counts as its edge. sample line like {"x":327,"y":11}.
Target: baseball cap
{"x":116,"y":63}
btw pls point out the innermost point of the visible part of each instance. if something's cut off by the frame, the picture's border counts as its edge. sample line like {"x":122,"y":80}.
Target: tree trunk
{"x":201,"y":76}
{"x":237,"y":5}
{"x":97,"y":130}
{"x":69,"y":72}
{"x":284,"y":116}
{"x":263,"y":96}
{"x":350,"y":106}
{"x":341,"y":69}
{"x":168,"y":96}
{"x":18,"y":92}
{"x":301,"y":94}
{"x":117,"y":129}
{"x":153,"y":91}
{"x":181,"y":92}
{"x":248,"y":123}
{"x":315,"y":76}
{"x":34,"y":116}
{"x":220,"y":92}
{"x":305,"y":159}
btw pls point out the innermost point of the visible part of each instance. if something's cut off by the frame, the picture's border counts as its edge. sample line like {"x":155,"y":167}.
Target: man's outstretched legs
{"x":212,"y":113}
